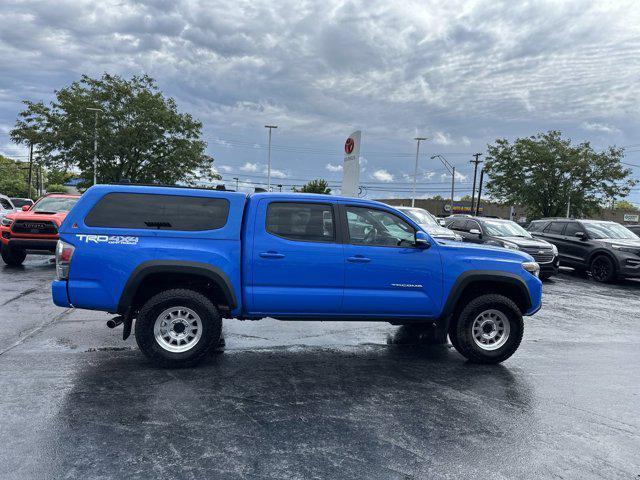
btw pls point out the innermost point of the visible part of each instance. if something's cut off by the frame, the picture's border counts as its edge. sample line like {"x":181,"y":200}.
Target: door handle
{"x":271,"y":255}
{"x":358,"y":259}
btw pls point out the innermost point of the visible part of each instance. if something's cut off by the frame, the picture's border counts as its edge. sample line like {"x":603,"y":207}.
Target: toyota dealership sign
{"x":351,"y":165}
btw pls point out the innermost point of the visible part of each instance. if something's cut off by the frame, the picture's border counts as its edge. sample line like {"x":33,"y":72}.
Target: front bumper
{"x":37,"y":244}
{"x":550,"y":268}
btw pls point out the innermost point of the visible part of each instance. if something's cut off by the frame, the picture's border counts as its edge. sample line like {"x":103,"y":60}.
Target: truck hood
{"x":56,"y":218}
{"x":482,"y":250}
{"x":526,"y":242}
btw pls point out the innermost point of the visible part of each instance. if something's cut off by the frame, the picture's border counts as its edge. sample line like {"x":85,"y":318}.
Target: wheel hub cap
{"x":491,"y":329}
{"x":177,"y":329}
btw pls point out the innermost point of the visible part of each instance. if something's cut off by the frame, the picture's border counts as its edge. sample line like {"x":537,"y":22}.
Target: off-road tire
{"x":211,"y":325}
{"x":602,"y":269}
{"x":461,"y":332}
{"x":13,"y":256}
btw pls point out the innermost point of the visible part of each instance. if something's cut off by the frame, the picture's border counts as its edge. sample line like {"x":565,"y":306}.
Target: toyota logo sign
{"x":349,"y":145}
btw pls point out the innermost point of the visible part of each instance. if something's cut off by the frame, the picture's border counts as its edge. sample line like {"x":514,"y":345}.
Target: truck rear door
{"x":297,"y":262}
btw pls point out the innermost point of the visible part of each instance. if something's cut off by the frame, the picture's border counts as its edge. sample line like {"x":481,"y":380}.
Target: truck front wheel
{"x":488,"y":330}
{"x":12,"y":256}
{"x":177,"y":328}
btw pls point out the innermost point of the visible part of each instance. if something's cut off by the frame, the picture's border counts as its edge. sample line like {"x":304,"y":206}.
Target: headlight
{"x":626,"y":248}
{"x":554,"y":249}
{"x":6,"y":222}
{"x":532,"y":267}
{"x":511,"y":246}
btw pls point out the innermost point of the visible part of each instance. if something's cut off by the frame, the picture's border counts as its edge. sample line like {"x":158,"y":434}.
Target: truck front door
{"x":298,"y":264}
{"x":387,"y":274}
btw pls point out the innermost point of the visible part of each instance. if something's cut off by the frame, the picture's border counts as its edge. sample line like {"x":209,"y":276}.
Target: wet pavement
{"x":331,"y":400}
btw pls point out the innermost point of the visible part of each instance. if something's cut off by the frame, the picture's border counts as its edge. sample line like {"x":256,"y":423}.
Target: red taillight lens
{"x":64,"y":253}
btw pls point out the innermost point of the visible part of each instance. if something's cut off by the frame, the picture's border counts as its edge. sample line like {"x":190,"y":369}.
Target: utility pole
{"x":479,"y":192}
{"x":95,"y":143}
{"x":415,"y":170}
{"x":452,"y":170}
{"x":30,"y":170}
{"x":475,"y":172}
{"x":270,"y":127}
{"x":569,"y":207}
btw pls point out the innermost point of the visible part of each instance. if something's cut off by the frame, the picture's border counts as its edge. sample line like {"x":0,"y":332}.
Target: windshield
{"x":608,"y":230}
{"x":504,"y":228}
{"x":55,"y":204}
{"x":420,"y":216}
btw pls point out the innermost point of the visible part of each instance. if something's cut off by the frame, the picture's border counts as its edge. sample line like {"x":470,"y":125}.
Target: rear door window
{"x":5,"y":204}
{"x":158,"y":212}
{"x":555,"y":228}
{"x":306,"y":222}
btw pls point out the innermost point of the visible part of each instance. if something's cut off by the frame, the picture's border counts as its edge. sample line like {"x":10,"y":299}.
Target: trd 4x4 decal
{"x":111,"y":239}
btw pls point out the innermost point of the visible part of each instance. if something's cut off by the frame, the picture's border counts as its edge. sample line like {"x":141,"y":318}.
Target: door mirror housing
{"x":580,"y":235}
{"x":475,"y":231}
{"x":25,"y":208}
{"x":422,"y":240}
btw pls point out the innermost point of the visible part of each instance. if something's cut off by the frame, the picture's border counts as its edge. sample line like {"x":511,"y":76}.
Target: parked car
{"x":6,"y":206}
{"x":21,"y":202}
{"x":179,"y":260}
{"x":606,"y":249}
{"x":508,"y":234}
{"x":430,"y":224}
{"x":635,"y":229}
{"x":34,"y":230}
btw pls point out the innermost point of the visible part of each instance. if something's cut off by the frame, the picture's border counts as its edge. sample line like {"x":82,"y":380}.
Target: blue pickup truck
{"x":179,"y":260}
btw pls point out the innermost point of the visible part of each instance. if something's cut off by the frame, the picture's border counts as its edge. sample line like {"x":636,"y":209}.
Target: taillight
{"x":64,"y":253}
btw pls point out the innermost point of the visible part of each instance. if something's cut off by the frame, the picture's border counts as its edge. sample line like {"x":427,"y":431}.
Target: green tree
{"x":141,"y":135}
{"x":544,"y":172}
{"x":13,"y":178}
{"x":57,"y":177}
{"x":625,"y":205}
{"x":315,"y":186}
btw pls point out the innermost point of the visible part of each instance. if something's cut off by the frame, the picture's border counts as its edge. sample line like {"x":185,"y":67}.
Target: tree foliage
{"x":545,"y":171}
{"x":141,"y":135}
{"x":13,"y":178}
{"x":315,"y":186}
{"x":625,"y":205}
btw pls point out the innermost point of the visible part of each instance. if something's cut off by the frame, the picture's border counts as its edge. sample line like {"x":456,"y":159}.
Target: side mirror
{"x":442,"y":222}
{"x":25,"y":208}
{"x":580,"y":235}
{"x":475,"y":231}
{"x":422,"y":240}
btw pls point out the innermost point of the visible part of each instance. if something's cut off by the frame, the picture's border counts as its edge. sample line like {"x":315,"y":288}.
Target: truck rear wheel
{"x":13,"y":256}
{"x":177,"y":328}
{"x":488,"y":330}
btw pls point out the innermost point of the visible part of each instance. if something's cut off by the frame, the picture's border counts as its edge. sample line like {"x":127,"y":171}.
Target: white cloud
{"x":333,"y":168}
{"x":600,"y":127}
{"x":441,"y":138}
{"x":382,"y":175}
{"x":224,"y":168}
{"x":250,"y":167}
{"x":277,"y":173}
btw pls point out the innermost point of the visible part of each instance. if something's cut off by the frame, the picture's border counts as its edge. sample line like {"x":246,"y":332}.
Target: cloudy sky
{"x":461,"y":73}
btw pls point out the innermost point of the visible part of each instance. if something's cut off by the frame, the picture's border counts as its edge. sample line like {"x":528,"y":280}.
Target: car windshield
{"x":55,"y":204}
{"x":420,"y":216}
{"x":504,"y":228}
{"x":608,"y":230}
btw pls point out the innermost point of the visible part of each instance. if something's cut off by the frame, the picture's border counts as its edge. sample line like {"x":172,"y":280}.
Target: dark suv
{"x":606,"y":249}
{"x":507,"y":234}
{"x":635,"y":229}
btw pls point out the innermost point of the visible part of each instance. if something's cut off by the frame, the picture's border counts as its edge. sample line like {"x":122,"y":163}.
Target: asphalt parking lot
{"x":321,"y":400}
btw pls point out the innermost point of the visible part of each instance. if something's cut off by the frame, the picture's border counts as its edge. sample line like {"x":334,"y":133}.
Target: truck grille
{"x":33,"y":226}
{"x":540,"y":254}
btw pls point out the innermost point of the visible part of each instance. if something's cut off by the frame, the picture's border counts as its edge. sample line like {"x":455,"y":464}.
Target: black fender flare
{"x":150,"y":267}
{"x":479,"y":276}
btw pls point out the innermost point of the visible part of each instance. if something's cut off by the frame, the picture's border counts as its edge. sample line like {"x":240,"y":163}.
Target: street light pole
{"x":95,"y":143}
{"x":415,"y":170}
{"x":475,"y":173}
{"x":452,"y":170}
{"x":270,"y":127}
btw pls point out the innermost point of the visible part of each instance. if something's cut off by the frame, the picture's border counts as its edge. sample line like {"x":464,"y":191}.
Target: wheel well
{"x":600,"y":253}
{"x":507,"y":289}
{"x":157,"y":282}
